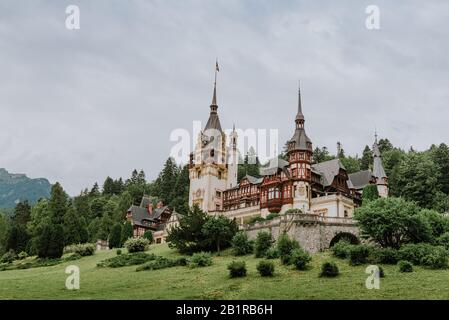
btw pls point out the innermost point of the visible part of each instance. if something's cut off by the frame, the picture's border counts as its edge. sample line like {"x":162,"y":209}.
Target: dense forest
{"x":421,"y":177}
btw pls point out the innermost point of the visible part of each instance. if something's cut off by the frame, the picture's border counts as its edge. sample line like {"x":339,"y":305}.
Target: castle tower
{"x":379,"y":172}
{"x":208,"y":170}
{"x":233,"y":160}
{"x":299,"y":152}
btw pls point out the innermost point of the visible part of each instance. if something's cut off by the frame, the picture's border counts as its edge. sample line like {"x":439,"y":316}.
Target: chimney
{"x":150,"y":208}
{"x":160,"y":204}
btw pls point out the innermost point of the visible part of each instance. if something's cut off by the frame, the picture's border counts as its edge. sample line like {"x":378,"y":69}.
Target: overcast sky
{"x":79,"y":105}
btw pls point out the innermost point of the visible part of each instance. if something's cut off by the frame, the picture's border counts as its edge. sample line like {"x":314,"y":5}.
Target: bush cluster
{"x":8,"y":257}
{"x":137,"y":244}
{"x":86,"y":249}
{"x":425,"y":254}
{"x":263,"y":243}
{"x":341,"y":249}
{"x":237,"y":269}
{"x":300,"y":258}
{"x":272,"y":253}
{"x":358,"y":254}
{"x":241,"y":244}
{"x":201,"y":259}
{"x":162,"y":263}
{"x":129,"y":259}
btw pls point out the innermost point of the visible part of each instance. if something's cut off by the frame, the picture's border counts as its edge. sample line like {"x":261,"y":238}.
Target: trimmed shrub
{"x":22,"y":255}
{"x":265,"y":268}
{"x":405,"y":266}
{"x":263,"y":244}
{"x":341,"y":249}
{"x":237,"y":269}
{"x":285,"y":246}
{"x":415,"y":253}
{"x":129,"y":259}
{"x":329,"y":270}
{"x":119,"y":252}
{"x":300,"y":258}
{"x":241,"y":244}
{"x":201,"y":259}
{"x":358,"y":254}
{"x":272,"y":253}
{"x":8,"y":257}
{"x":84,"y":250}
{"x":137,"y":245}
{"x":115,"y":236}
{"x":437,"y":259}
{"x":182,"y":261}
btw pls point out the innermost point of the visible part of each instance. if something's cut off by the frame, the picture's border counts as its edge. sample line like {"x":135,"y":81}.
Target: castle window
{"x":346,"y":213}
{"x":219,"y":174}
{"x":198,"y":174}
{"x":218,"y":194}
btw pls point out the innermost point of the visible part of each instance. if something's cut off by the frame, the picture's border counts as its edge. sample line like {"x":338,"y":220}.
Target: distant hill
{"x":18,"y":187}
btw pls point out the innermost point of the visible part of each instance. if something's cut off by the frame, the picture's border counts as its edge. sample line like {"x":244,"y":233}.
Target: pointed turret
{"x":379,"y":171}
{"x":300,"y":141}
{"x":214,"y":122}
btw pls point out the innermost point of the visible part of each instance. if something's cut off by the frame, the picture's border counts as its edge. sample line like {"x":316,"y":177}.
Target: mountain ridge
{"x":16,"y":187}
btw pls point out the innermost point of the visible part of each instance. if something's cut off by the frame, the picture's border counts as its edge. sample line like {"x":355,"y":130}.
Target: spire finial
{"x":299,"y":97}
{"x":214,"y":98}
{"x":299,"y":116}
{"x":375,"y":135}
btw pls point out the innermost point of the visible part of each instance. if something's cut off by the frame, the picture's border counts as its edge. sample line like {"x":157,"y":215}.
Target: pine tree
{"x":75,"y":229}
{"x":115,"y":236}
{"x":108,"y":187}
{"x":367,"y":159}
{"x":57,"y":205}
{"x":127,"y":231}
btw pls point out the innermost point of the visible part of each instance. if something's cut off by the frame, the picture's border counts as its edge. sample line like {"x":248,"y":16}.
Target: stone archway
{"x":347,"y":236}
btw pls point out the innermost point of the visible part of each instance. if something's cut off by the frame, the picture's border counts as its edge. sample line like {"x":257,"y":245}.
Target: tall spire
{"x":214,"y":98}
{"x":299,"y":115}
{"x":214,"y":122}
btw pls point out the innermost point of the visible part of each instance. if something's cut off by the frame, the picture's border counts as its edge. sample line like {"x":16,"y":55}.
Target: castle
{"x":323,"y":190}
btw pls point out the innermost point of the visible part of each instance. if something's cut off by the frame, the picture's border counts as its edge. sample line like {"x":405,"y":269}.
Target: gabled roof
{"x":328,"y":170}
{"x":273,"y":166}
{"x":360,"y":179}
{"x":253,"y":180}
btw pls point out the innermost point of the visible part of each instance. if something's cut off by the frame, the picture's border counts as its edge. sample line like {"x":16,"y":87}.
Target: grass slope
{"x":213,"y":282}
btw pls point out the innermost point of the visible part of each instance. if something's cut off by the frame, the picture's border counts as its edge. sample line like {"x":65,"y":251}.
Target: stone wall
{"x":314,"y":233}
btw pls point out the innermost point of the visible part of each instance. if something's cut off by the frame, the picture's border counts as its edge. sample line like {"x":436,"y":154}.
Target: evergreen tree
{"x":351,"y":164}
{"x":367,"y":159}
{"x":149,"y":235}
{"x":370,"y":193}
{"x":220,"y":231}
{"x":340,"y":151}
{"x":385,"y":145}
{"x":108,"y":187}
{"x":115,"y":237}
{"x":75,"y":229}
{"x":82,"y":206}
{"x":440,"y":156}
{"x":95,"y":191}
{"x":50,"y":243}
{"x":321,"y":155}
{"x":57,"y":205}
{"x":180,"y":193}
{"x":127,"y":231}
{"x":93,"y":228}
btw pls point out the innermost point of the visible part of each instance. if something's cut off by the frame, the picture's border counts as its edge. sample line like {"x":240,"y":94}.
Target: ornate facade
{"x":324,"y":189}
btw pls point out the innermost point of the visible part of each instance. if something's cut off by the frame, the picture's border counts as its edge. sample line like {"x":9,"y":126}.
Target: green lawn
{"x":213,"y":282}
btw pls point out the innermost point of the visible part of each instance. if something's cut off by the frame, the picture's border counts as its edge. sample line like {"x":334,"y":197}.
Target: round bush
{"x":329,"y":270}
{"x":241,"y":244}
{"x":405,"y":266}
{"x":341,"y":249}
{"x":443,"y":240}
{"x":119,"y":252}
{"x":237,"y":269}
{"x":415,"y":253}
{"x":300,"y":258}
{"x":272,"y":253}
{"x":201,"y":259}
{"x":137,"y":245}
{"x":265,"y":268}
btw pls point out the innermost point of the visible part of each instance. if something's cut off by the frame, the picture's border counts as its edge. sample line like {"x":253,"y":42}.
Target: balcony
{"x":274,"y":205}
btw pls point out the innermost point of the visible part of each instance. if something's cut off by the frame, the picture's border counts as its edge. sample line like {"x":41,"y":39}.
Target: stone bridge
{"x":313,"y":232}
